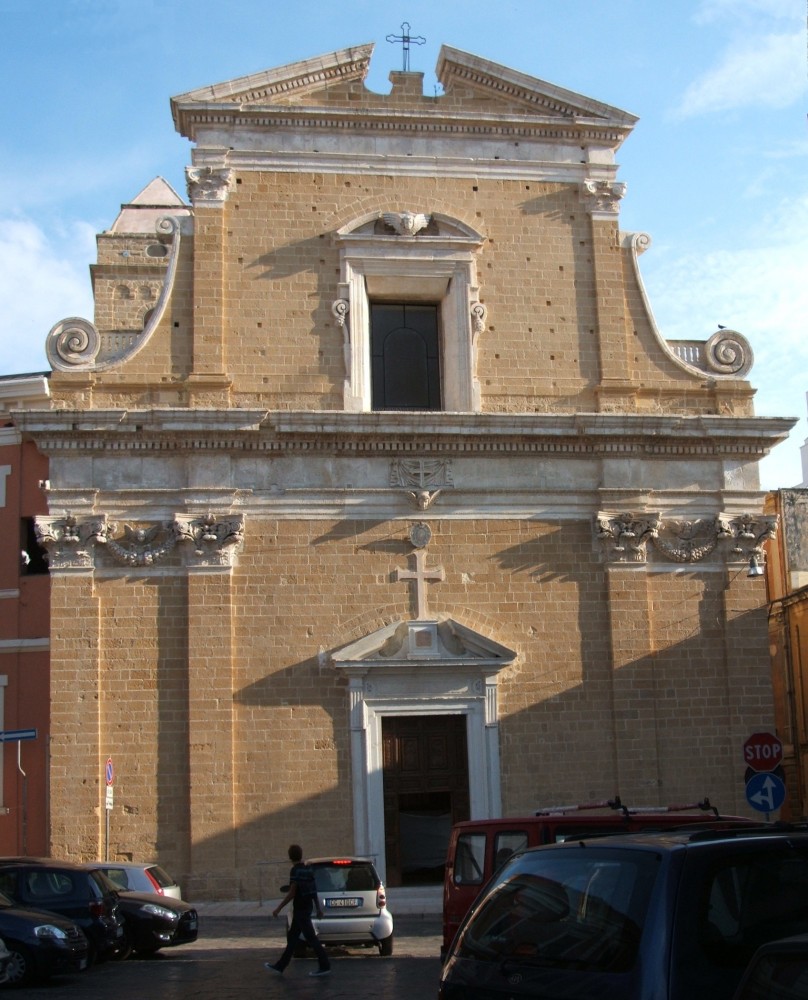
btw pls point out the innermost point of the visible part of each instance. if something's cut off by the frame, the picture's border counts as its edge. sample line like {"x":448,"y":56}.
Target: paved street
{"x":226,"y":963}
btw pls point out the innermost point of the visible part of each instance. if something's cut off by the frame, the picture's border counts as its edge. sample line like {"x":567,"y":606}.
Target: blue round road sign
{"x":765,"y":792}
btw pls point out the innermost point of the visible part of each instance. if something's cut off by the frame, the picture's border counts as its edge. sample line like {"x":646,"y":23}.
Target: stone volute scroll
{"x":75,"y":344}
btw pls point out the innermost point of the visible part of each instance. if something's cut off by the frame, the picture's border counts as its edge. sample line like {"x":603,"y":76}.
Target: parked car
{"x":777,"y":970}
{"x":85,"y":897}
{"x":661,"y":916}
{"x":40,"y":945}
{"x":5,"y":958}
{"x":139,"y":878}
{"x":478,"y":847}
{"x":353,"y":902}
{"x":153,"y":922}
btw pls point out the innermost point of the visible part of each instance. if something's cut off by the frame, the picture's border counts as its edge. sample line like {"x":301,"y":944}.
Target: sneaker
{"x":273,"y":968}
{"x":321,"y":972}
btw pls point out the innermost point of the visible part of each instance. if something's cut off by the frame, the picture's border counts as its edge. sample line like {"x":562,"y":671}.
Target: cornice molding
{"x":588,"y":435}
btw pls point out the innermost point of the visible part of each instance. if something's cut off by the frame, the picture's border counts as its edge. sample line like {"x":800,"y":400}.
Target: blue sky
{"x":716,"y":167}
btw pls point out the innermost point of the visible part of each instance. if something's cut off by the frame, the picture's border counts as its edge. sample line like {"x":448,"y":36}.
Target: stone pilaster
{"x":633,"y":699}
{"x":210,"y":546}
{"x":209,"y":188}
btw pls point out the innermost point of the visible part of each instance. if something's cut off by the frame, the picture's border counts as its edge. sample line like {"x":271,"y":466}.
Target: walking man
{"x":303,"y":896}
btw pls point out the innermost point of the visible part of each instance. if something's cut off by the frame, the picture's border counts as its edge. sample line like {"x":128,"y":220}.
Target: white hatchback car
{"x":353,"y":902}
{"x":132,"y":877}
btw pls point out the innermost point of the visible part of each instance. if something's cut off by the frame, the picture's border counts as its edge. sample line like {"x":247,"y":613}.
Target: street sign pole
{"x":109,"y":778}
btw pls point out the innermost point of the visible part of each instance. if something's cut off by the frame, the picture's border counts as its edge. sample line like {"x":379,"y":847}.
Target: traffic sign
{"x":109,"y":798}
{"x":763,"y":751}
{"x":10,"y":735}
{"x":109,"y":773}
{"x":765,"y":792}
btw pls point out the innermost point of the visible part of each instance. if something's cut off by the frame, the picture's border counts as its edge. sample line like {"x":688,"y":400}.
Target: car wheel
{"x":123,"y":951}
{"x":20,"y":969}
{"x":386,"y":946}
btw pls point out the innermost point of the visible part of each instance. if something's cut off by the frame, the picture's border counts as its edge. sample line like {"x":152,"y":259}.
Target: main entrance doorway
{"x":426,"y":790}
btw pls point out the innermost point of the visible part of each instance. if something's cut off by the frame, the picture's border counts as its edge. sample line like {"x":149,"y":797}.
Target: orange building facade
{"x":24,"y":628}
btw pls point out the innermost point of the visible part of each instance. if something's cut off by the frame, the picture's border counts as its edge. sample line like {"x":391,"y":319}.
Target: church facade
{"x":377,"y":499}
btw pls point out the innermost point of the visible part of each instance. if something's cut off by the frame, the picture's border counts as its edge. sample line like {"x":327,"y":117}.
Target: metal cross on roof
{"x":405,"y":38}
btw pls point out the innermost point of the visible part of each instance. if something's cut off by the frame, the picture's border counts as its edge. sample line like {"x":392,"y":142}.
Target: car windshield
{"x":581,"y":909}
{"x":348,"y":877}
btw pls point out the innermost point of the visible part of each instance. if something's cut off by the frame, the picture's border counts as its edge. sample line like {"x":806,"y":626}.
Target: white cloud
{"x":763,"y":71}
{"x":714,"y":10}
{"x":42,"y":279}
{"x":760,"y":290}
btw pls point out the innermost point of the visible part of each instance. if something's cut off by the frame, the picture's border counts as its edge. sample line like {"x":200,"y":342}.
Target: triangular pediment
{"x":440,"y":642}
{"x":508,"y":87}
{"x":331,"y":87}
{"x":284,"y":83}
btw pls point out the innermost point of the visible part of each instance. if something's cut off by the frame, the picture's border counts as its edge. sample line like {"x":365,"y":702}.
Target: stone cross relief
{"x":421,"y":575}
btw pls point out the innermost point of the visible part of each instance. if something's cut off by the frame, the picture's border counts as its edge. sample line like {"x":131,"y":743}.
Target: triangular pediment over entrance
{"x":333,"y":84}
{"x":439,"y":644}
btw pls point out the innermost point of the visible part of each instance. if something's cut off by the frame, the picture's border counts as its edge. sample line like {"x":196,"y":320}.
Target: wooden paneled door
{"x":426,"y":790}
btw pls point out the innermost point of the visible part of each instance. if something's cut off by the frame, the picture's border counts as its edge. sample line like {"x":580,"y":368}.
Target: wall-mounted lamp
{"x":755,"y":569}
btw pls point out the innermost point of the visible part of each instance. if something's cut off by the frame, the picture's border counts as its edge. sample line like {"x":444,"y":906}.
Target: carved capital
{"x":625,"y":537}
{"x":602,"y":197}
{"x":68,"y":540}
{"x":745,"y":534}
{"x":208,"y":185}
{"x":208,"y":540}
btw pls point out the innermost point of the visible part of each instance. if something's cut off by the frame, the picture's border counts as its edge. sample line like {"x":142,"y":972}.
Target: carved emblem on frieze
{"x":137,"y":545}
{"x":214,"y":540}
{"x":687,"y":541}
{"x":423,"y":478}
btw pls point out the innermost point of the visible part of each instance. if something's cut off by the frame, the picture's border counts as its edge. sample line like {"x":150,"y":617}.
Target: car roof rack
{"x":617,"y":805}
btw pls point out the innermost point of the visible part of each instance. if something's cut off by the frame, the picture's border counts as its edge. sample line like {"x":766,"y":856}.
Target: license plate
{"x":343,"y":902}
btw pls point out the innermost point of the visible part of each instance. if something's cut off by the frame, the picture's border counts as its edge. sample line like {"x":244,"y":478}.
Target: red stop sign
{"x":762,"y":751}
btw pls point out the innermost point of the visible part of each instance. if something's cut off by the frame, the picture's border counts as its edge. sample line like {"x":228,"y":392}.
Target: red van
{"x":479,"y":847}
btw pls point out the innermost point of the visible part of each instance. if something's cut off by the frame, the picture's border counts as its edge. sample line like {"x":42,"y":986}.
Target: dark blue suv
{"x":83,"y":896}
{"x":664,"y":916}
